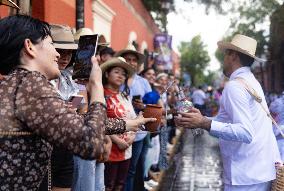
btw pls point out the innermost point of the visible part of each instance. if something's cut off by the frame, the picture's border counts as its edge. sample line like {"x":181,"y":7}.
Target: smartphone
{"x":136,"y":97}
{"x":76,"y":100}
{"x":87,"y":47}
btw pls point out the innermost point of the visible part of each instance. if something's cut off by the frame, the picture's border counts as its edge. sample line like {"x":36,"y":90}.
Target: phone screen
{"x":136,"y":97}
{"x":76,"y":100}
{"x":87,"y":47}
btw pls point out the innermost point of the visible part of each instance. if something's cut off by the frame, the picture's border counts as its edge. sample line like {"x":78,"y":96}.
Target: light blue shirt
{"x":248,"y":145}
{"x":140,"y":86}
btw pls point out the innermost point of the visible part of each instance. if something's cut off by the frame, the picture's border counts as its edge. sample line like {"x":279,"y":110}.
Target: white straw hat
{"x":62,"y":37}
{"x":119,"y":62}
{"x":242,"y":44}
{"x":86,"y":31}
{"x":82,"y":32}
{"x":130,"y":49}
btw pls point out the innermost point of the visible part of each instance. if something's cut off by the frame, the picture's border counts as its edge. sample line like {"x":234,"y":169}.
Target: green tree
{"x":210,"y":78}
{"x":251,"y":14}
{"x":194,"y":59}
{"x":248,"y":17}
{"x":160,"y":10}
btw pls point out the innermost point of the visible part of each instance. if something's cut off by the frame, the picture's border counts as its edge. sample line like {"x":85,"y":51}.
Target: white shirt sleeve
{"x":236,"y":106}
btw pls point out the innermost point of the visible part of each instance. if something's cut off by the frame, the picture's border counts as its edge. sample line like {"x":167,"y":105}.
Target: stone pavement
{"x":196,"y":166}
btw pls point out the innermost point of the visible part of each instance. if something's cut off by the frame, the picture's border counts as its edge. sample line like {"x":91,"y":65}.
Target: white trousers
{"x":266,"y":186}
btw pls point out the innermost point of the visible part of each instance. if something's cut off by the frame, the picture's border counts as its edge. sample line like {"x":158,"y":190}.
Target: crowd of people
{"x":98,"y":143}
{"x":51,"y":142}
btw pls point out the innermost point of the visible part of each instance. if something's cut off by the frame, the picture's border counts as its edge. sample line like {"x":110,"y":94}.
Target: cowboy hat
{"x":9,"y":3}
{"x":130,"y":49}
{"x":63,"y":37}
{"x":82,"y":32}
{"x":118,"y":62}
{"x":242,"y":44}
{"x":87,"y":31}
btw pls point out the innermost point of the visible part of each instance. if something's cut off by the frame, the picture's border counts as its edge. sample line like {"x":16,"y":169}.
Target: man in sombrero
{"x":248,"y":146}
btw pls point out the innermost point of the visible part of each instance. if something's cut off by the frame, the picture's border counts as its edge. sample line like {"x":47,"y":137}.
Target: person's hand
{"x":193,"y":119}
{"x":95,"y":86}
{"x":172,"y":111}
{"x":138,"y":104}
{"x":130,"y":138}
{"x":107,"y":147}
{"x":96,"y":72}
{"x":122,"y":145}
{"x":135,"y":124}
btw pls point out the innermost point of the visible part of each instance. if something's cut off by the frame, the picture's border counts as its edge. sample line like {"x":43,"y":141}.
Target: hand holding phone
{"x":87,"y":48}
{"x":136,"y":98}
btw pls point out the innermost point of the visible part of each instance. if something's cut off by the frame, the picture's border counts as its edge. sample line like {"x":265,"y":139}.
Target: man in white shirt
{"x":198,"y":99}
{"x":248,"y":146}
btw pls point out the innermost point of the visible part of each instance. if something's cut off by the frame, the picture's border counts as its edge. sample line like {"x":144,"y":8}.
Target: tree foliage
{"x":249,"y":16}
{"x":194,"y":59}
{"x":160,"y":8}
{"x":252,"y":17}
{"x":217,"y":5}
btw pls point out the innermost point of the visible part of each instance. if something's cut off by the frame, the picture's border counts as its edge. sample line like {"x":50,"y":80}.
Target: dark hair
{"x":142,"y":73}
{"x":126,"y":91}
{"x":244,"y":59}
{"x":132,"y":53}
{"x":107,"y":50}
{"x":14,"y":30}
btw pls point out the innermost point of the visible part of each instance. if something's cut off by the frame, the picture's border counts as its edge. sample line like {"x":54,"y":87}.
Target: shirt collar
{"x":239,"y":71}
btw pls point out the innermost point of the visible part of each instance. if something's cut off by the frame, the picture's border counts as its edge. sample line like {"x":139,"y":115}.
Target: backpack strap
{"x":258,"y":99}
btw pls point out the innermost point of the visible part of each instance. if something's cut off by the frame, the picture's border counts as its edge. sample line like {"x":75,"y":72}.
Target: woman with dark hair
{"x":115,"y":74}
{"x":152,"y":97}
{"x":33,"y":116}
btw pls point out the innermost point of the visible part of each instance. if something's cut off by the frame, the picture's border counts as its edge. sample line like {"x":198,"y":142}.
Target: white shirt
{"x":248,"y":146}
{"x":198,"y":97}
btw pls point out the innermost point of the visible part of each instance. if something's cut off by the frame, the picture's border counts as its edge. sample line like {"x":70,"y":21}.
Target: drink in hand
{"x":184,"y":105}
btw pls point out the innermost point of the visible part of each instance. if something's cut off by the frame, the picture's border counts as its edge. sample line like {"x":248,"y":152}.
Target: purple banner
{"x":163,"y":46}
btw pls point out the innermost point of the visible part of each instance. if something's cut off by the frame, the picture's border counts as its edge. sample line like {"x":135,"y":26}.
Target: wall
{"x":4,"y":11}
{"x":55,"y":11}
{"x":128,"y":18}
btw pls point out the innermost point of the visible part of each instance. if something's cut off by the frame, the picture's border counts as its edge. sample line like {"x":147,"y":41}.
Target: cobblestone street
{"x":196,"y":165}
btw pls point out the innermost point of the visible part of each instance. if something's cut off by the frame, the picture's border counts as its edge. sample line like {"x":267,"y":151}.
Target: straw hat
{"x":82,"y":32}
{"x":130,"y":49}
{"x":87,"y":31}
{"x":161,"y":75}
{"x":119,"y":62}
{"x":9,"y":3}
{"x":63,"y":37}
{"x":242,"y":44}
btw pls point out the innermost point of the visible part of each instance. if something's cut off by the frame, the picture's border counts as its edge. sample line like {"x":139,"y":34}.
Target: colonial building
{"x":120,"y":21}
